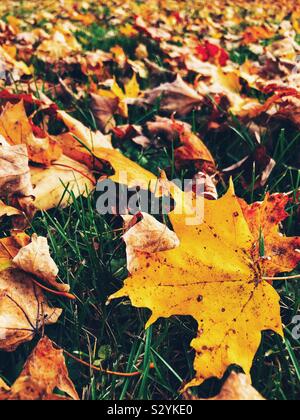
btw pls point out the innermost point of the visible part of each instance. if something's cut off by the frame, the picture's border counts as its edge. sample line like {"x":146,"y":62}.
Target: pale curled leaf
{"x":14,"y":171}
{"x":148,"y":235}
{"x":35,"y":259}
{"x":207,"y":185}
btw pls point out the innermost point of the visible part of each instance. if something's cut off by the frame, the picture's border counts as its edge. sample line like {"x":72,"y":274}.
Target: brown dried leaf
{"x":237,"y":388}
{"x":191,"y":148}
{"x":104,"y":109}
{"x":23,"y":309}
{"x":177,"y":97}
{"x":44,"y":372}
{"x":258,"y":160}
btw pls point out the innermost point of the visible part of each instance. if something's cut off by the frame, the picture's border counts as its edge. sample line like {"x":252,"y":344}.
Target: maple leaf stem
{"x":55,"y":292}
{"x":76,"y":170}
{"x":108,"y":372}
{"x":7,"y":250}
{"x":282,"y":278}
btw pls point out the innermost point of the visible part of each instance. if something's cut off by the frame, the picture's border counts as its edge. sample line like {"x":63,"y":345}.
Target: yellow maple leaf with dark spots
{"x":215,"y":277}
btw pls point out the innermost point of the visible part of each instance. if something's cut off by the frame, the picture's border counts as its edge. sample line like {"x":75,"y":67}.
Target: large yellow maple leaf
{"x":216,"y":276}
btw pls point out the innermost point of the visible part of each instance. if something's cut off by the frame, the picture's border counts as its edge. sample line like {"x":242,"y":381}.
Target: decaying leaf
{"x":259,"y":162}
{"x":173,"y":134}
{"x":23,"y":309}
{"x":148,"y":235}
{"x":61,"y":45}
{"x":35,"y":259}
{"x":134,"y":133}
{"x":177,"y":97}
{"x":105,"y":104}
{"x":104,"y":109}
{"x":237,"y":388}
{"x":191,"y":147}
{"x":44,"y":373}
{"x":281,"y":254}
{"x":14,"y":171}
{"x":214,"y":276}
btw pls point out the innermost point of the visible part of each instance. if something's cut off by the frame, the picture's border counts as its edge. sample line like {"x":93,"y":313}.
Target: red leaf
{"x":211,"y":51}
{"x":37,"y":131}
{"x":12,"y":97}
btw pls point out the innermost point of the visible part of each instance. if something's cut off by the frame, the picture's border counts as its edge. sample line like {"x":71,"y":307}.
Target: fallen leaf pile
{"x":96,"y":90}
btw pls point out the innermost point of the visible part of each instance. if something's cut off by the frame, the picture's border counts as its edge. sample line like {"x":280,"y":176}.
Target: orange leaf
{"x":282,"y":254}
{"x":44,"y":372}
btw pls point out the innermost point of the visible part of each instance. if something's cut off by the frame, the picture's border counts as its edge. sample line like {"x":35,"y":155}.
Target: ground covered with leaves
{"x":143,"y":93}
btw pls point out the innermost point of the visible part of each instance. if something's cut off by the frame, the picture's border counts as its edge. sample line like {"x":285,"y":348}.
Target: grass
{"x":91,"y":257}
